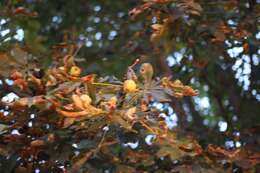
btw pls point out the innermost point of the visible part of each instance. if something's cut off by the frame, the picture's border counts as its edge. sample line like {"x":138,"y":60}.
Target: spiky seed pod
{"x":146,"y":71}
{"x":75,"y":71}
{"x":129,"y":86}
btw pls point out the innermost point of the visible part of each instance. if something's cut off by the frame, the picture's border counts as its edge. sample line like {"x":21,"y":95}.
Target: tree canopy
{"x":129,"y":86}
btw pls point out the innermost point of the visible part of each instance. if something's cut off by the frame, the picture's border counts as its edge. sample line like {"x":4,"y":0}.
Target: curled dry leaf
{"x":77,"y":101}
{"x":72,"y":114}
{"x":188,"y":91}
{"x":88,"y":111}
{"x":86,"y":99}
{"x":177,"y":89}
{"x":26,"y":101}
{"x":222,"y":152}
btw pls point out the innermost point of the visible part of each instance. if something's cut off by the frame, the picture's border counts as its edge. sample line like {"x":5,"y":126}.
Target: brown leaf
{"x":222,"y":152}
{"x":72,"y":114}
{"x":80,"y":161}
{"x":177,"y":89}
{"x":117,"y":119}
{"x":68,"y":121}
{"x":24,"y":11}
{"x":138,"y":10}
{"x":37,"y":143}
{"x":89,"y":111}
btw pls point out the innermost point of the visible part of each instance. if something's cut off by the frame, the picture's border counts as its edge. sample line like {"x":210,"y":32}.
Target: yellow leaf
{"x":85,"y":99}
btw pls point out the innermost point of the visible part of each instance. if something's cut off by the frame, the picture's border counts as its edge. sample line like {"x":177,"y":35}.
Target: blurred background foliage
{"x":211,"y":45}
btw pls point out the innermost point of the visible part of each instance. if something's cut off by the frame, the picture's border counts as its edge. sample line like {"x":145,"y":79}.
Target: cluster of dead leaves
{"x":177,"y":89}
{"x":11,"y":11}
{"x":188,"y":6}
{"x":140,"y":9}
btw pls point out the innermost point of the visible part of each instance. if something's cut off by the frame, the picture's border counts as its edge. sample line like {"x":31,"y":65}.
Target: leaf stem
{"x":105,"y":84}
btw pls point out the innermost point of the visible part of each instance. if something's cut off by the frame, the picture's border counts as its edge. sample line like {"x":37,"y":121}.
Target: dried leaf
{"x":37,"y":143}
{"x":77,"y":101}
{"x":117,"y":119}
{"x":80,"y":161}
{"x":221,"y":152}
{"x":68,"y":122}
{"x":173,"y":152}
{"x":177,"y":89}
{"x":88,"y":111}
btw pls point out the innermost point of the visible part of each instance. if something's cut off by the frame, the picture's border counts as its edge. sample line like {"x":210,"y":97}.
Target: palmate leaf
{"x":171,"y":151}
{"x":7,"y":65}
{"x":19,"y":56}
{"x":155,"y":91}
{"x":198,"y":168}
{"x":125,"y":168}
{"x":174,"y":152}
{"x":177,"y":148}
{"x":117,"y":119}
{"x":157,"y":94}
{"x":92,"y":125}
{"x":16,"y":59}
{"x":66,"y":87}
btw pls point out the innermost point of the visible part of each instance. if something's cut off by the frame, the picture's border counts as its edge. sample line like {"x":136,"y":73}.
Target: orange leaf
{"x":72,"y":114}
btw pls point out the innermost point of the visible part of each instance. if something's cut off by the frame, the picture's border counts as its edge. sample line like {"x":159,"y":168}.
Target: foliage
{"x":72,"y":114}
